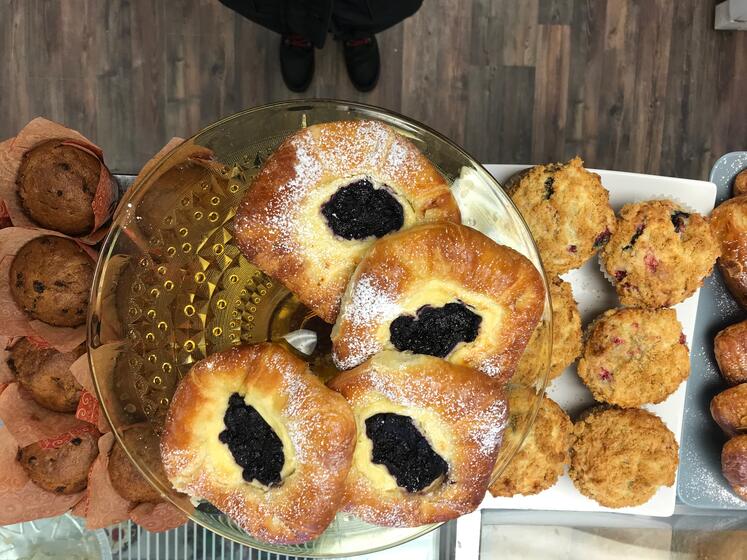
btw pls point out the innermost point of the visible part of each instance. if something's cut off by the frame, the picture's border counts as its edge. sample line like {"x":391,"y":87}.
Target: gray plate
{"x":701,"y":483}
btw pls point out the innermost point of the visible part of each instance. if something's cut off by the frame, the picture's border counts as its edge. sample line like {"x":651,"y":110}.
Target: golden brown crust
{"x":730,"y":348}
{"x":544,"y":453}
{"x":315,"y":425}
{"x":729,"y":225}
{"x":62,"y":469}
{"x":620,"y":457}
{"x":461,"y":413}
{"x":125,"y":476}
{"x":734,"y":464}
{"x":279,"y":226}
{"x":435,"y":264}
{"x":729,"y":409}
{"x":740,"y":184}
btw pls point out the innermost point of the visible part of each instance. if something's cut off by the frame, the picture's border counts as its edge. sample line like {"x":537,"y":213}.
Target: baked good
{"x":542,"y":456}
{"x":255,"y":433}
{"x":634,"y":356}
{"x":325,"y":195}
{"x":428,"y":436}
{"x":730,"y":348}
{"x":729,"y":409}
{"x":45,"y":374}
{"x":734,"y":464}
{"x":567,"y":210}
{"x":620,"y":457}
{"x":659,"y":254}
{"x":50,"y":278}
{"x":740,"y":184}
{"x":124,"y":475}
{"x":566,"y":337}
{"x":62,"y":469}
{"x":729,"y":224}
{"x":57,"y":182}
{"x":444,"y":290}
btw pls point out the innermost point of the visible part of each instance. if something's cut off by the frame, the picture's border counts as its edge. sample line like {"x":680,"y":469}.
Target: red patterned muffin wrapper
{"x":88,"y":408}
{"x":61,"y":439}
{"x":158,"y":517}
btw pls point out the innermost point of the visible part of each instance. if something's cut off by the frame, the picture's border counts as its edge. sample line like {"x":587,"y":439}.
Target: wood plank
{"x":555,"y":12}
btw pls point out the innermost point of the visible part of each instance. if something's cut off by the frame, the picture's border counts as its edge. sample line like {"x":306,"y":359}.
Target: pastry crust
{"x":730,"y":348}
{"x":729,"y":224}
{"x":279,"y":224}
{"x":314,"y":424}
{"x":734,"y":464}
{"x":740,"y":184}
{"x":436,"y":264}
{"x":729,"y":410}
{"x":461,"y":413}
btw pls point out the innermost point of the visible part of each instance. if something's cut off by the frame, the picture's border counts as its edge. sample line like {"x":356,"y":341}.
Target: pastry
{"x":567,"y":210}
{"x":634,"y":356}
{"x":45,"y":374}
{"x":255,"y":433}
{"x":540,"y":460}
{"x":566,"y":337}
{"x":445,"y":290}
{"x":124,"y":475}
{"x":659,"y":254}
{"x":730,"y":348}
{"x":729,"y":409}
{"x":734,"y":464}
{"x":62,"y":469}
{"x":729,"y":224}
{"x":620,"y":457}
{"x":740,"y":184}
{"x":325,"y":195}
{"x":428,"y":436}
{"x":57,"y":182}
{"x":50,"y":278}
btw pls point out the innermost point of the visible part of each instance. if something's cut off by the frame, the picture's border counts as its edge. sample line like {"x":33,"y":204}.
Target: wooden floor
{"x":643,"y":85}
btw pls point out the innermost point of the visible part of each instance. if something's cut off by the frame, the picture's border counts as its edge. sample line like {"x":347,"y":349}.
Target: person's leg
{"x":354,"y":19}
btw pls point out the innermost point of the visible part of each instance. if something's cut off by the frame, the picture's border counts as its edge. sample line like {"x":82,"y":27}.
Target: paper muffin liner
{"x":655,"y":197}
{"x":89,"y":409}
{"x":13,"y":320}
{"x":34,"y":133}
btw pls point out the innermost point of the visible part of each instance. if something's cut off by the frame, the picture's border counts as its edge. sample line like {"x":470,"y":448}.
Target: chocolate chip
{"x":39,"y":286}
{"x":76,"y":441}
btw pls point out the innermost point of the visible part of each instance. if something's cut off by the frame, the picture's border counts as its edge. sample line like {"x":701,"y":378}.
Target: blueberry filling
{"x":638,"y":232}
{"x":435,"y":330}
{"x":602,"y":239}
{"x":253,"y":443}
{"x":402,"y":449}
{"x":679,"y":220}
{"x":359,"y":210}
{"x":549,"y":190}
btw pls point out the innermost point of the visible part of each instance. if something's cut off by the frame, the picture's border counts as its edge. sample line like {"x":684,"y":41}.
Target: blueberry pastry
{"x":429,"y":433}
{"x":255,"y":433}
{"x":325,"y":195}
{"x":444,"y":290}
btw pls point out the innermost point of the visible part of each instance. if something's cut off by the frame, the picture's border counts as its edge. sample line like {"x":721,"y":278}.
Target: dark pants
{"x":313,"y":19}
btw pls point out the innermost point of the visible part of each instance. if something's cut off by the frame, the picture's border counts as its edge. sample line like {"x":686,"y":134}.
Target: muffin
{"x":620,"y":457}
{"x":57,"y":182}
{"x":566,"y":337}
{"x":634,"y":356}
{"x":124,"y":475}
{"x":543,"y":455}
{"x":45,"y":374}
{"x":740,"y":184}
{"x":659,"y":253}
{"x":50,"y":278}
{"x":567,"y":210}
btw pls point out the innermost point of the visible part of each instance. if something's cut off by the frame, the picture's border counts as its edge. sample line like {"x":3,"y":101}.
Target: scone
{"x":444,"y":290}
{"x":634,"y":356}
{"x":730,"y":348}
{"x":620,"y":457}
{"x":124,"y":475}
{"x":566,"y":338}
{"x":544,"y":453}
{"x":734,"y":464}
{"x":255,"y":433}
{"x":57,"y":182}
{"x":729,"y":410}
{"x":659,"y":254}
{"x":45,"y":374}
{"x":50,"y":278}
{"x":567,"y":210}
{"x":325,"y":195}
{"x":729,"y":225}
{"x":428,"y":436}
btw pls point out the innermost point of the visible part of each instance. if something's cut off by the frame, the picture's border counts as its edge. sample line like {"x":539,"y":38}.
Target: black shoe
{"x":296,"y":62}
{"x":363,"y":62}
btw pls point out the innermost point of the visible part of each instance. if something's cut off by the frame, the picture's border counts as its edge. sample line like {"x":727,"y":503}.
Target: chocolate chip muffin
{"x":567,"y":210}
{"x":45,"y":374}
{"x":50,"y":278}
{"x":634,"y":356}
{"x":57,"y":182}
{"x":124,"y":475}
{"x":566,"y":337}
{"x":620,"y":457}
{"x":659,"y":254}
{"x":63,"y":469}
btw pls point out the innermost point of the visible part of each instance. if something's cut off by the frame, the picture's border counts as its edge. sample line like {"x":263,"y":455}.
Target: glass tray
{"x":171,"y":287}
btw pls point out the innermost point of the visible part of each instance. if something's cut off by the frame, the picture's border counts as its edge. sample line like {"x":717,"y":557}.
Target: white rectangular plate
{"x":595,"y":295}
